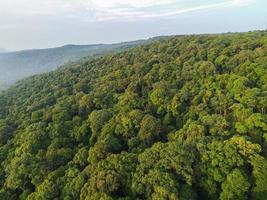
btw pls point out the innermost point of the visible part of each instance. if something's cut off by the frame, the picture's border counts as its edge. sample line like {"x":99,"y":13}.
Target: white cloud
{"x":130,"y":3}
{"x":201,"y":7}
{"x":131,"y":9}
{"x":99,"y":10}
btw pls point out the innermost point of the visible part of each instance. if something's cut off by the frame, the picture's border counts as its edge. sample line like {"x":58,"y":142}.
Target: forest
{"x":181,"y":118}
{"x":17,"y":65}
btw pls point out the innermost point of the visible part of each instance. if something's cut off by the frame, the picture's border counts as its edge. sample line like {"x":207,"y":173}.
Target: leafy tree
{"x":236,"y":186}
{"x":150,"y":128}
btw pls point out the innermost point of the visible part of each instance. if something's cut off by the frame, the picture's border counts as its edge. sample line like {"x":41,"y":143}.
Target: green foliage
{"x":149,"y":129}
{"x":236,"y":186}
{"x":179,"y":118}
{"x":259,"y":173}
{"x":162,"y":169}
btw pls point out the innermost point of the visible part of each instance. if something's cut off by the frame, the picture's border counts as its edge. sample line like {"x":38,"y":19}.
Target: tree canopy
{"x":184,"y":117}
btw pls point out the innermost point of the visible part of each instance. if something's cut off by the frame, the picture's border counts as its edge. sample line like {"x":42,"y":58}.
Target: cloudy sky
{"x":26,"y":24}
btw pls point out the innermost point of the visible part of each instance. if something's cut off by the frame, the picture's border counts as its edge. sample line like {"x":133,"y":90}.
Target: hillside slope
{"x":18,"y":65}
{"x":183,"y":118}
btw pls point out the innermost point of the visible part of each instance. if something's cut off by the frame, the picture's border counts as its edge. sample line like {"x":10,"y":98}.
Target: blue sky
{"x":27,"y":24}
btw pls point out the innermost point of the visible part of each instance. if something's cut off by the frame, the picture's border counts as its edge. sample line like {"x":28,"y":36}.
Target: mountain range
{"x":17,"y":65}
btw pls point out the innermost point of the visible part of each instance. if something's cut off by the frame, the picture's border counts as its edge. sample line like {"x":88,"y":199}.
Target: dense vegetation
{"x":183,"y":118}
{"x":15,"y":66}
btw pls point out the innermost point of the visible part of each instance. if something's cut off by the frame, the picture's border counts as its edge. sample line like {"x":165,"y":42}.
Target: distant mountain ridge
{"x":17,"y":65}
{"x":2,"y":50}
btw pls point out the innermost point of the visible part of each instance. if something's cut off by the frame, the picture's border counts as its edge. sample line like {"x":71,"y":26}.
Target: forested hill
{"x":183,"y":118}
{"x":15,"y":66}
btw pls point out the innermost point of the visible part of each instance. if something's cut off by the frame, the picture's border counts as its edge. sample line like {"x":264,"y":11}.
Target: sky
{"x":31,"y":24}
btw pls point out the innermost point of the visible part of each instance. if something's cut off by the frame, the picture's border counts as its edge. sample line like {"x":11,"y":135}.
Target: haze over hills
{"x":2,"y":50}
{"x":18,"y":65}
